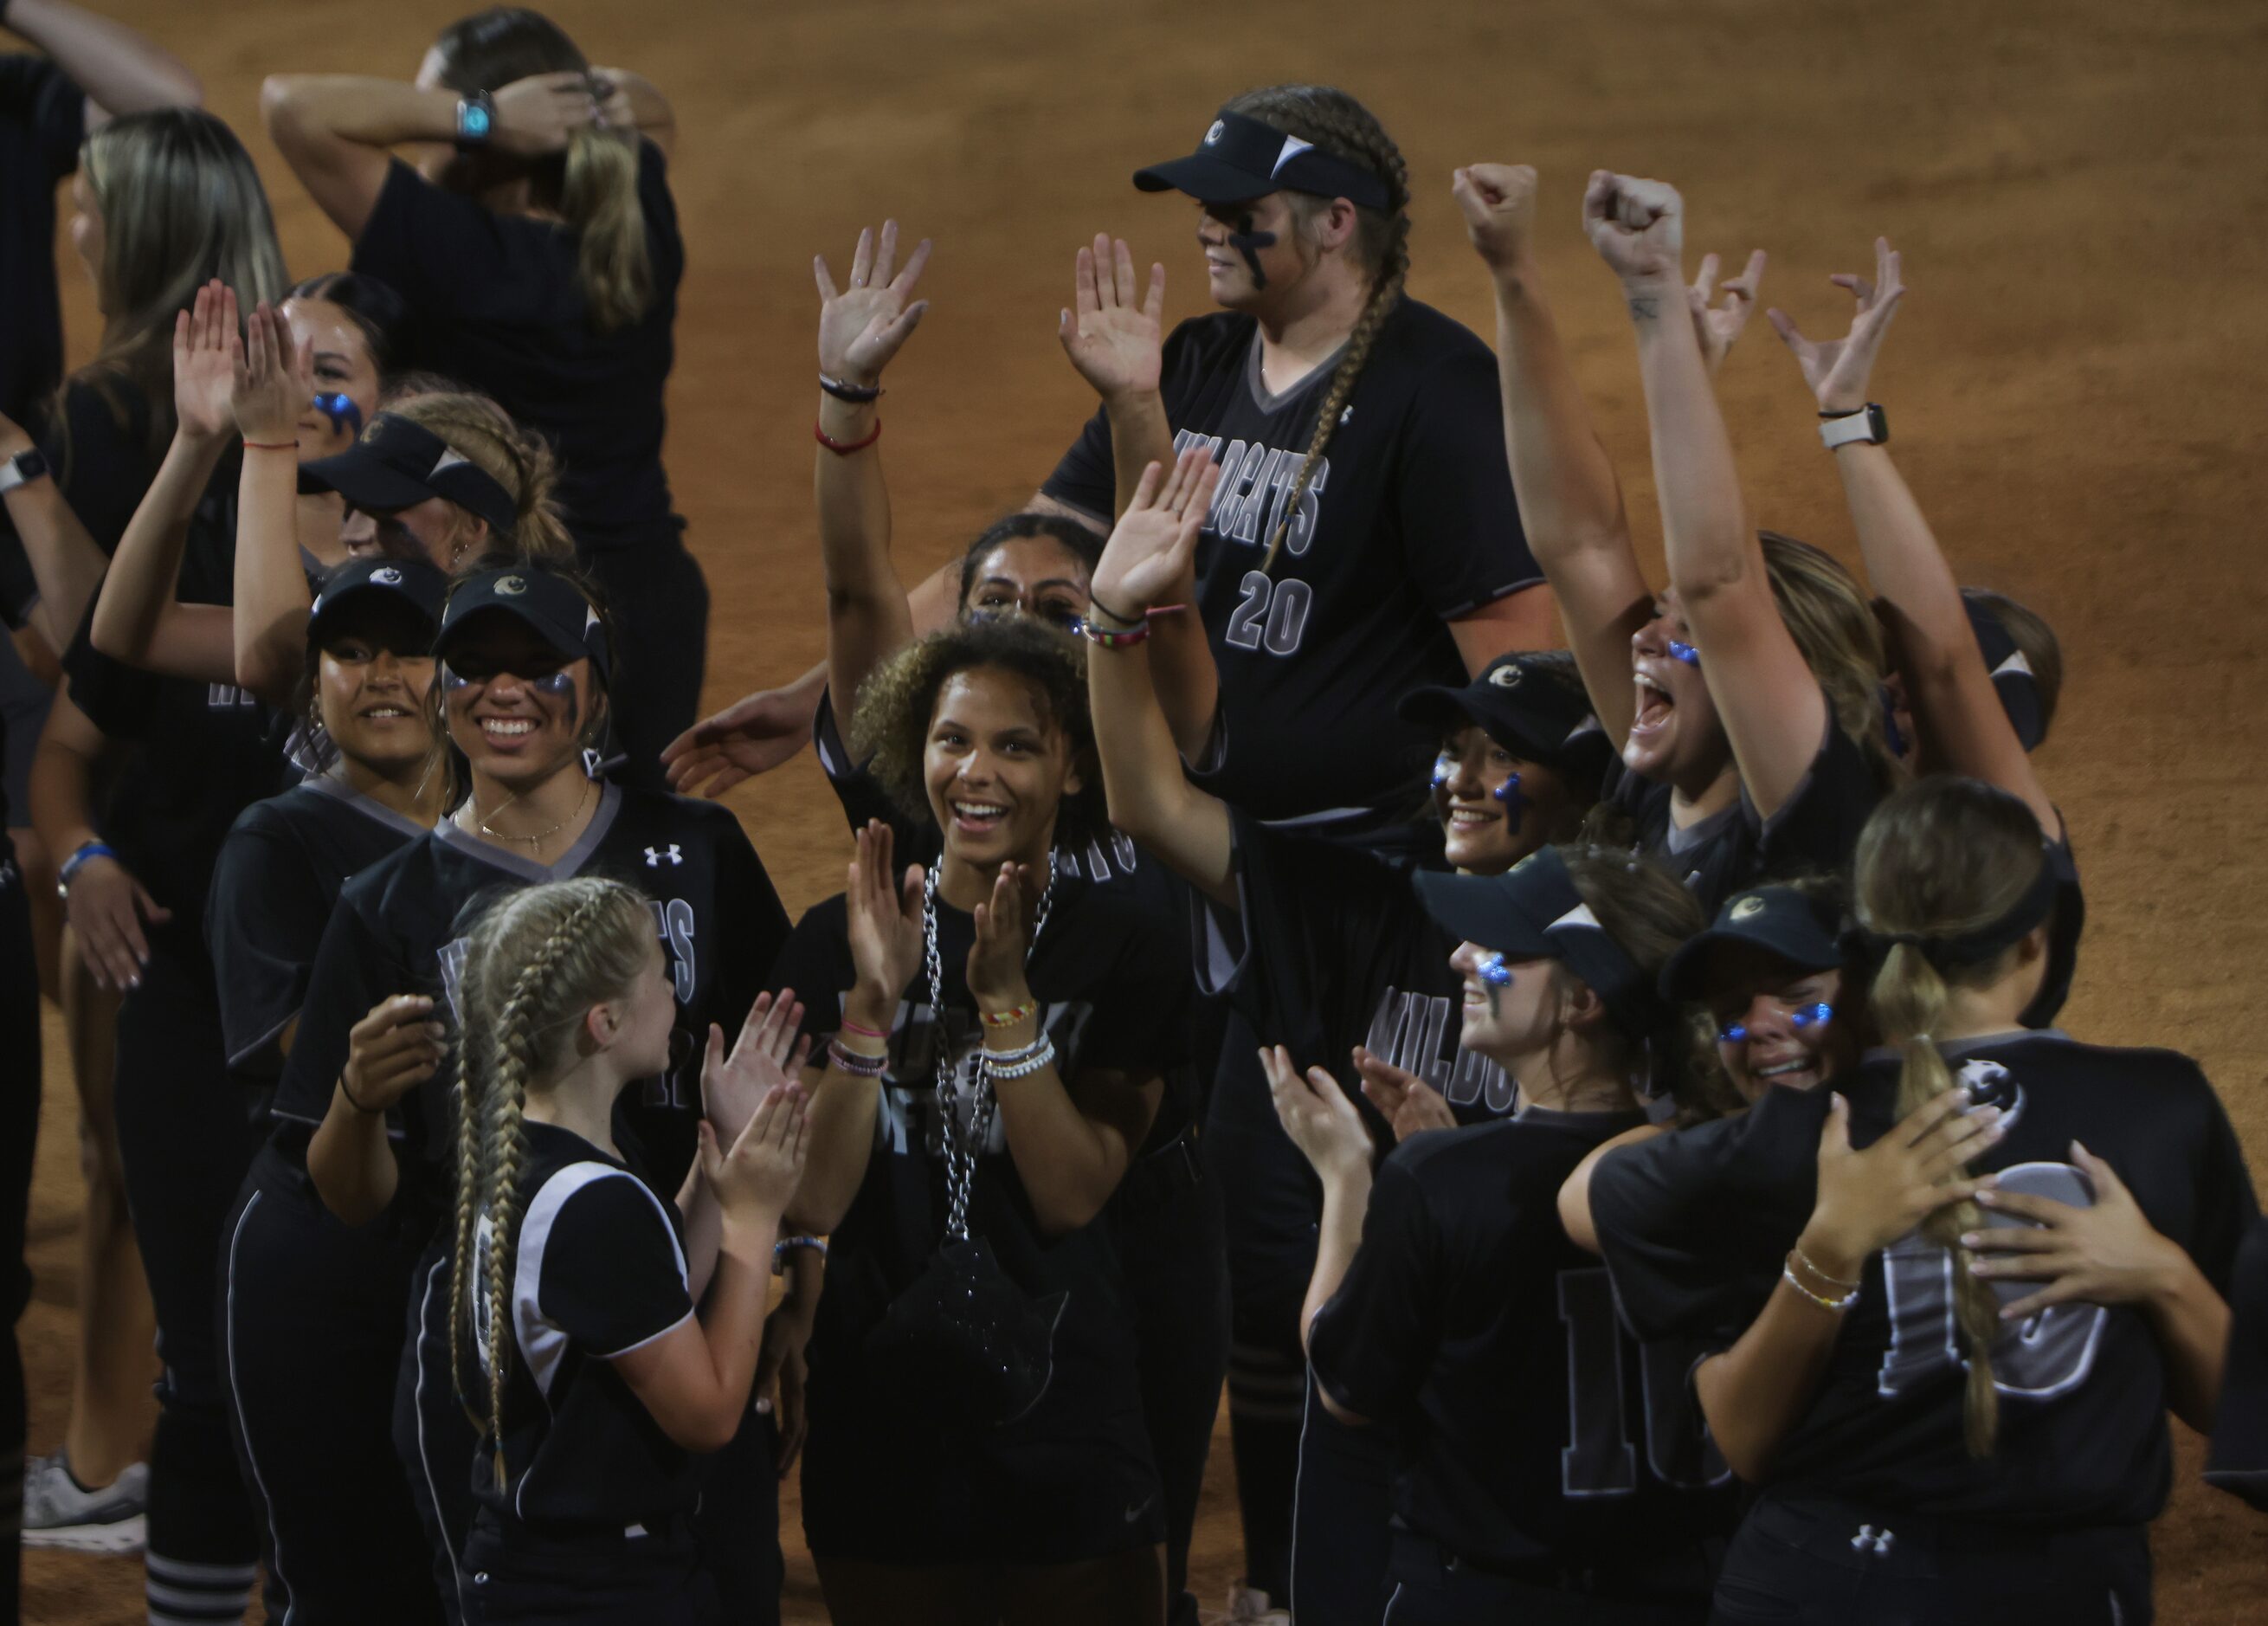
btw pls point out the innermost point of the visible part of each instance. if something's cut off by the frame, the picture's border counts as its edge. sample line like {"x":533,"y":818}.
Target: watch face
{"x":476,"y":121}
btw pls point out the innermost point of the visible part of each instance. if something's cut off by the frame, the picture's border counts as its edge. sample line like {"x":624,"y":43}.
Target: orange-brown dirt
{"x":2074,"y":386}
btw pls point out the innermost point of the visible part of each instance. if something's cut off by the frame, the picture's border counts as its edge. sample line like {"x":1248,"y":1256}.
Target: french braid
{"x":1342,"y":126}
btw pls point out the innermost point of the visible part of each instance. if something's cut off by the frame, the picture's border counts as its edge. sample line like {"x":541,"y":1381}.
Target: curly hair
{"x":895,"y":705}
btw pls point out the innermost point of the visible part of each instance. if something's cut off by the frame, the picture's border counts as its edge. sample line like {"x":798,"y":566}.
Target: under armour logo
{"x":656,"y":857}
{"x":1868,"y":1537}
{"x":1346,"y":418}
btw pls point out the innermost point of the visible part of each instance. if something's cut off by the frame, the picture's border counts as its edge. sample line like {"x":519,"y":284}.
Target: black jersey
{"x":1408,"y":522}
{"x":598,"y":1271}
{"x":1330,"y":949}
{"x":2239,"y":1459}
{"x":400,"y":928}
{"x":1114,"y":993}
{"x":1815,"y":831}
{"x":42,"y":123}
{"x":275,"y":886}
{"x":1531,"y":1425}
{"x":1695,"y":1225}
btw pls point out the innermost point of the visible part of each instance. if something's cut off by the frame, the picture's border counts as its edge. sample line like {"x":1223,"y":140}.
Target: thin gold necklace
{"x":537,"y":840}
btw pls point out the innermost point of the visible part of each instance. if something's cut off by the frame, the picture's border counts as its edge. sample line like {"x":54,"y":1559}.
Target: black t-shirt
{"x":2239,"y":1459}
{"x":498,"y":308}
{"x":1409,"y":522}
{"x":1815,"y":831}
{"x":400,"y":928}
{"x":1531,"y":1425}
{"x":101,"y":451}
{"x":1332,"y":949}
{"x":598,"y":1271}
{"x":42,"y":122}
{"x":1695,"y":1225}
{"x":1114,"y":993}
{"x":275,"y":885}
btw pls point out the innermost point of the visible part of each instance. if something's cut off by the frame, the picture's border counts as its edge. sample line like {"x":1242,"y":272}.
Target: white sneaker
{"x":59,"y":1511}
{"x":1249,"y":1606}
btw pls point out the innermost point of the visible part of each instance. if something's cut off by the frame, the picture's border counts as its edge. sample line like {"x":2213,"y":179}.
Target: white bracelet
{"x":1020,"y":1063}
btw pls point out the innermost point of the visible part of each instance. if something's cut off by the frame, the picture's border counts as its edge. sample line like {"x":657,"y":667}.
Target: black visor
{"x":397,"y":464}
{"x":1799,"y":927}
{"x":1533,"y":912}
{"x":1241,"y":158}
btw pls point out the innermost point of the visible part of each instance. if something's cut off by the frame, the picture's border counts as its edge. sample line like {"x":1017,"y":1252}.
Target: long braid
{"x":1342,"y":126}
{"x":471,"y":1117}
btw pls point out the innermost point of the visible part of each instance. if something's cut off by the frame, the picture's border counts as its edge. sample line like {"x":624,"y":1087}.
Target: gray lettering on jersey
{"x":673,"y":923}
{"x":1408,"y":1029}
{"x":226,"y":697}
{"x":1250,"y":508}
{"x":1239,"y":470}
{"x":1095,"y":860}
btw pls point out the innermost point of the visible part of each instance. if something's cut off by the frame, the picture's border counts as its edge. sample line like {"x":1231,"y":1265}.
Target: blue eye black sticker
{"x":345,"y":416}
{"x":1493,"y":970}
{"x":1686,"y":652}
{"x":1516,"y":805}
{"x":1801,"y":1018}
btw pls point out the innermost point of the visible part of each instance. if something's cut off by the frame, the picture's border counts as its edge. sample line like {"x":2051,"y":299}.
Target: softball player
{"x":1952,"y":1391}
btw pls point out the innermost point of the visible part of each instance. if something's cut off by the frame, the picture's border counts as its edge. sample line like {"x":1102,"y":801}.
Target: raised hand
{"x":752,"y":735}
{"x":1839,"y":369}
{"x":1154,"y":546}
{"x":539,"y":115}
{"x":105,"y":906}
{"x":1004,"y":931}
{"x":862,"y":326}
{"x":1408,"y":1103}
{"x":391,"y":1051}
{"x":885,"y":922}
{"x":1868,"y":1199}
{"x":768,"y":1053}
{"x":207,"y":354}
{"x":1498,"y":203}
{"x":1638,"y":226}
{"x":2107,"y":1254}
{"x":272,"y":380}
{"x":1719,"y":315}
{"x":1116,"y":343}
{"x":755,"y":1179}
{"x":1316,"y":1113}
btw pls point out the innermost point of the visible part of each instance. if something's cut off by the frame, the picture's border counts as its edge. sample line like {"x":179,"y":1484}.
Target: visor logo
{"x":513,"y":585}
{"x":1748,"y":908}
{"x":1213,"y":136}
{"x":386,"y":576}
{"x":1507,"y":677}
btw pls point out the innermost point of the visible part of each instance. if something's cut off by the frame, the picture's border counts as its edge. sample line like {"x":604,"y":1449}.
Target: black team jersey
{"x":400,"y":928}
{"x":1072,"y":1479}
{"x":1407,"y":522}
{"x":275,"y":886}
{"x":1696,"y":1226}
{"x":600,"y":1270}
{"x":1332,"y":949}
{"x":2239,"y":1460}
{"x":1532,"y":1427}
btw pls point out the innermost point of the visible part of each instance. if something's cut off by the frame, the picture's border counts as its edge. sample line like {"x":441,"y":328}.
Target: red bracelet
{"x":271,"y":446}
{"x":844,"y":448}
{"x":1162,"y":609}
{"x":862,"y":1030}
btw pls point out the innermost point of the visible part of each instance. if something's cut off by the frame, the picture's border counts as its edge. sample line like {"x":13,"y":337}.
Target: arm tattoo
{"x":1645,"y":308}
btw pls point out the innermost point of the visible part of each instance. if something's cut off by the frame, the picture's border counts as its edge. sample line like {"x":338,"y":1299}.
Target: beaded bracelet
{"x":1021,"y":1063}
{"x":856,"y":1066}
{"x":1010,"y":1016}
{"x":1833,"y":1306}
{"x":1115,"y":640}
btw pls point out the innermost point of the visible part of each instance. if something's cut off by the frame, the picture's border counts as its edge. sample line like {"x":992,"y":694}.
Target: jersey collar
{"x":449,"y":832}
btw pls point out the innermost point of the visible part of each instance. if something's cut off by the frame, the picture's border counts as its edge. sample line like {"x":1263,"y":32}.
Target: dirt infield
{"x":2072,"y":386}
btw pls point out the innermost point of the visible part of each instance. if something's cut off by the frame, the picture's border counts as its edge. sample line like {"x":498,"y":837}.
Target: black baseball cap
{"x":1241,"y":158}
{"x":1799,"y":926}
{"x":1528,"y":705}
{"x":397,"y":464}
{"x":538,"y":598}
{"x":405,"y":588}
{"x":2012,"y":673}
{"x":1533,"y":912}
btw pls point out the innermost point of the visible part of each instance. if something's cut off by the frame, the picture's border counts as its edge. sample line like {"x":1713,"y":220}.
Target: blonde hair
{"x":482,"y":434}
{"x":181,"y":204}
{"x":593,"y":187}
{"x":538,"y":960}
{"x":1342,"y":126}
{"x":1941,"y":857}
{"x":1834,"y":627}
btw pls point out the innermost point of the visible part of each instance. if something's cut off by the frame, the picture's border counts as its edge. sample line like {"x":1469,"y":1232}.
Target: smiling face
{"x":1770,"y":1033}
{"x":644,"y":1016}
{"x":995,"y":768}
{"x":1034,"y":575}
{"x":516,"y":707}
{"x":1511,"y":1007}
{"x":372,"y":699}
{"x":1677,"y":738}
{"x":1495,"y":807}
{"x":343,"y":366}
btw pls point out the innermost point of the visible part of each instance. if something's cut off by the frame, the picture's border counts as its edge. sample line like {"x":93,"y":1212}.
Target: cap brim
{"x":1479,"y":909}
{"x":1208,"y":180}
{"x":555,"y":638}
{"x":1687,"y":974}
{"x":366,"y":599}
{"x":364,"y":480}
{"x":1434,"y":708}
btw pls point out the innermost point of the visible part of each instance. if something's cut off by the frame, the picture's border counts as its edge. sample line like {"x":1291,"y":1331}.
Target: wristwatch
{"x":21,"y":470}
{"x":1868,"y":424}
{"x":476,"y":119}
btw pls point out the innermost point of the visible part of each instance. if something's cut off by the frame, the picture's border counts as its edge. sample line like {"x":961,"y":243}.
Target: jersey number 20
{"x":1272,"y":615}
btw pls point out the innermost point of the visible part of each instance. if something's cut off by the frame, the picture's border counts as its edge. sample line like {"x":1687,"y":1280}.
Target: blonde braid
{"x":1342,"y":126}
{"x":469,"y":1127}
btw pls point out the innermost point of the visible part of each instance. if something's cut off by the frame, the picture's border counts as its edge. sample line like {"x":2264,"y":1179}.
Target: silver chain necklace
{"x":960,"y":1152}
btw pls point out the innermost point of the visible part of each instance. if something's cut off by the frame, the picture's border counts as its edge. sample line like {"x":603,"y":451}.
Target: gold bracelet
{"x":1833,"y":1306}
{"x":1804,"y":1260}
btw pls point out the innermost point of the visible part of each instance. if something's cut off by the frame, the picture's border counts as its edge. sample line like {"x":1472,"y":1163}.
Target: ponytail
{"x":598,"y":199}
{"x":484,"y":434}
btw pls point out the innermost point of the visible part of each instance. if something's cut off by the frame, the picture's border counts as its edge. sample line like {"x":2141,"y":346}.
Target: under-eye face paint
{"x":1249,"y":243}
{"x":453,"y":679}
{"x":1444,"y":766}
{"x":1686,"y":652}
{"x":345,"y":416}
{"x":1808,"y":1015}
{"x":1516,"y":805}
{"x":1496,"y":977}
